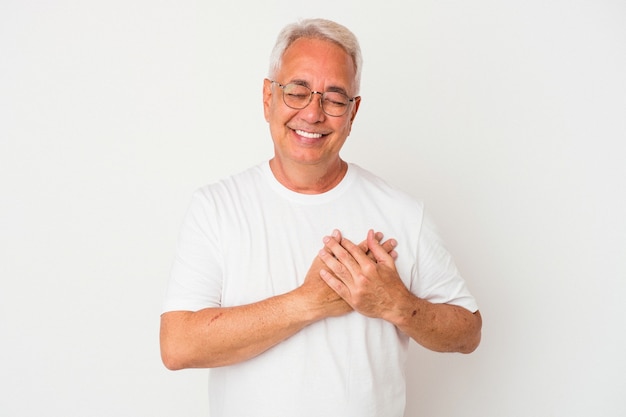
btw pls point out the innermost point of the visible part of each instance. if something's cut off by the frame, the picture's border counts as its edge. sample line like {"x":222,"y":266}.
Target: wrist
{"x":407,"y":309}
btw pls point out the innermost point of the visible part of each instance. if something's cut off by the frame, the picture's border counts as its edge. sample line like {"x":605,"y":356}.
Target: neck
{"x":309,"y":179}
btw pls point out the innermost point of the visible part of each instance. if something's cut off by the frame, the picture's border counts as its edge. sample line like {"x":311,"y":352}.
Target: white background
{"x":507,"y":118}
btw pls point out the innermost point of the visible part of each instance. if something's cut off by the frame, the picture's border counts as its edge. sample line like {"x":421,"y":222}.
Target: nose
{"x":314,"y":112}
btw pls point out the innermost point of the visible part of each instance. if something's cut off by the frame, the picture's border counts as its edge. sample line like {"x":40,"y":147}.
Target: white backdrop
{"x":507,"y":118}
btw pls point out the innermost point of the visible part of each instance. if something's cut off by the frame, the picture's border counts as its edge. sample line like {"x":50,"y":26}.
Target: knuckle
{"x":368,"y":269}
{"x":344,"y":258}
{"x":341,"y":269}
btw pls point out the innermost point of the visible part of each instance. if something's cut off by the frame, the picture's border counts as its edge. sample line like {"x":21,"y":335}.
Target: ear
{"x":267,"y":98}
{"x":357,"y":103}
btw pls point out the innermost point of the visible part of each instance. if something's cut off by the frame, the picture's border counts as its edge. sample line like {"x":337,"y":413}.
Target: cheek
{"x":345,"y":127}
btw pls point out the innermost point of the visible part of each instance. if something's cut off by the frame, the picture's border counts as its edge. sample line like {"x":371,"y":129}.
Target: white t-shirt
{"x":248,"y":238}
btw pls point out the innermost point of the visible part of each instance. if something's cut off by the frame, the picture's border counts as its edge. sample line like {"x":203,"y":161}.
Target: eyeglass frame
{"x":321,"y":93}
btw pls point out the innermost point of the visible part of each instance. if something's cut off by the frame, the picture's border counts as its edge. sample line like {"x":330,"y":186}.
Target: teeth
{"x":309,"y":134}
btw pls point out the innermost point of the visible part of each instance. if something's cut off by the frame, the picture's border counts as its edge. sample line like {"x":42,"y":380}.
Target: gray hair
{"x":317,"y":29}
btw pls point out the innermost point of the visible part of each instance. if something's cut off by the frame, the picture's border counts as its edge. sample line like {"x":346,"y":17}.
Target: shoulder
{"x":238,"y":184}
{"x":381,"y":189}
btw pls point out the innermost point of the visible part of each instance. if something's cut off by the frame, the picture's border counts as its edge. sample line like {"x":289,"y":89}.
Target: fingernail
{"x":326,"y":239}
{"x":335,"y":233}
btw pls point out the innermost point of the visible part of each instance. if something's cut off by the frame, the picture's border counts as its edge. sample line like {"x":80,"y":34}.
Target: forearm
{"x":438,"y":327}
{"x":372,"y":287}
{"x":223,"y":336}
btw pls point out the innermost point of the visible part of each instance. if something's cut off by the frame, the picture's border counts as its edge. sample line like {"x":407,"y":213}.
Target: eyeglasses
{"x":298,"y":96}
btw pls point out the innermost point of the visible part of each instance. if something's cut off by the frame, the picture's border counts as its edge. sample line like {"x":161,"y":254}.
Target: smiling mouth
{"x":309,"y":135}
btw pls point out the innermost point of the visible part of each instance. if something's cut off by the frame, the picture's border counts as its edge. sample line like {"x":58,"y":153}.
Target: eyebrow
{"x":332,"y":88}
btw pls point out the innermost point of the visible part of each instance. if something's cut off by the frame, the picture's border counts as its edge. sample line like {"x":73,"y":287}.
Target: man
{"x":295,"y":323}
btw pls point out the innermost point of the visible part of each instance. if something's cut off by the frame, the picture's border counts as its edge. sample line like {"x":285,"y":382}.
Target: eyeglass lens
{"x":299,"y":96}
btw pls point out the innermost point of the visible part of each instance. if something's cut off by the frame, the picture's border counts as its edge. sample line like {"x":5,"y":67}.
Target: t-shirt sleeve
{"x":196,"y":276}
{"x":439,"y":280}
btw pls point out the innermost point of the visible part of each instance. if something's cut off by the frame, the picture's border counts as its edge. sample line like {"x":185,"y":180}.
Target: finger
{"x":357,"y":254}
{"x":381,"y":255}
{"x":336,"y":234}
{"x":343,"y":256}
{"x":363,"y":245}
{"x":333,"y":263}
{"x":335,"y":284}
{"x":389,"y":246}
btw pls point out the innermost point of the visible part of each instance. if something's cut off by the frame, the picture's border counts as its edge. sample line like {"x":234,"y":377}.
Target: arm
{"x":372,"y":286}
{"x":226,"y":335}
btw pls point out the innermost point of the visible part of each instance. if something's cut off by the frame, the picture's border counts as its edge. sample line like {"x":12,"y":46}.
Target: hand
{"x":388,"y":245}
{"x":364,"y":276}
{"x":323,"y":297}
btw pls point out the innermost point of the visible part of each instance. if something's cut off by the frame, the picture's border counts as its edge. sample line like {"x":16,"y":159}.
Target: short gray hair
{"x":317,"y":29}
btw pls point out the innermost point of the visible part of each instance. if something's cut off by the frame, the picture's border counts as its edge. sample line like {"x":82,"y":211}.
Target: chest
{"x":268,"y":250}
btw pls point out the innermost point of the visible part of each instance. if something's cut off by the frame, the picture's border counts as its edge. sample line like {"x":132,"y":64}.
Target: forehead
{"x":315,"y":61}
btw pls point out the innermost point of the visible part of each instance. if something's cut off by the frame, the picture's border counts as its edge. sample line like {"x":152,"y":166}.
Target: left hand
{"x":370,"y":284}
